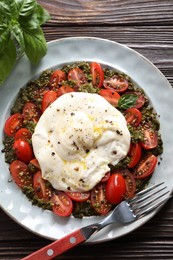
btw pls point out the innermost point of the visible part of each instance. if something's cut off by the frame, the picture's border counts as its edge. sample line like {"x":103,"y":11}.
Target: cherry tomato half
{"x":134,"y":154}
{"x":97,"y":74}
{"x":41,"y":188}
{"x":116,"y":83}
{"x":20,"y":174}
{"x":79,"y":196}
{"x":133,"y":116}
{"x":130,"y":181}
{"x":23,"y":134}
{"x":62,"y":204}
{"x":57,"y":78}
{"x":110,"y":95}
{"x":115,"y":188}
{"x":78,"y":76}
{"x":12,"y":124}
{"x":48,"y":98}
{"x":150,"y":139}
{"x":98,"y":199}
{"x":23,"y":150}
{"x":63,"y":90}
{"x":31,"y":112}
{"x":145,"y":167}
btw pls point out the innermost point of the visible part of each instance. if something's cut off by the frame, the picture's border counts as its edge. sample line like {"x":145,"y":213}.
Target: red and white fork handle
{"x":58,"y":247}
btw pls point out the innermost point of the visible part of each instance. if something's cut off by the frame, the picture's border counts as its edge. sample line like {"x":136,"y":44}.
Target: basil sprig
{"x":20,"y":31}
{"x":127,"y":101}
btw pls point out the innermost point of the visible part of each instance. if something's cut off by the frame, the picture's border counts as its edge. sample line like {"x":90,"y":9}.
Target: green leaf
{"x":4,"y":36}
{"x":4,"y":7}
{"x":14,"y":9}
{"x":7,"y":60}
{"x":25,"y":7}
{"x":18,"y":35}
{"x":35,"y":45}
{"x":36,"y":19}
{"x":127,"y":100}
{"x":42,"y":15}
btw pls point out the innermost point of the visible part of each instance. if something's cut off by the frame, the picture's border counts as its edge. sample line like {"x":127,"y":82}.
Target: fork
{"x":130,"y":210}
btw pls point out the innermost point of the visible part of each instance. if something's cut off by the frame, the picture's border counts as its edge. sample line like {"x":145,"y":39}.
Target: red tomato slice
{"x":41,"y":188}
{"x":133,"y":116}
{"x":31,"y":112}
{"x":48,"y":98}
{"x":115,"y":188}
{"x":145,"y":167}
{"x":140,"y":101}
{"x":35,"y":163}
{"x":62,"y":204}
{"x":63,"y":90}
{"x":97,"y":74}
{"x":57,"y":78}
{"x":20,"y":174}
{"x":23,"y":151}
{"x":130,"y":182}
{"x":23,"y":134}
{"x":135,"y":154}
{"x":150,"y":139}
{"x":79,"y":196}
{"x":110,"y":95}
{"x":12,"y":124}
{"x":106,"y":177}
{"x":78,"y":76}
{"x":98,"y":199}
{"x":116,"y":83}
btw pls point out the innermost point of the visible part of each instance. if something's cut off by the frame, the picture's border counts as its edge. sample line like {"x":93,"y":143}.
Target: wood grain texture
{"x":155,"y":43}
{"x":109,"y":12}
{"x":147,"y":27}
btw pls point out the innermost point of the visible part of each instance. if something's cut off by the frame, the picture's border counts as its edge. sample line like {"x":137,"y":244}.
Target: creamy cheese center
{"x":76,"y":138}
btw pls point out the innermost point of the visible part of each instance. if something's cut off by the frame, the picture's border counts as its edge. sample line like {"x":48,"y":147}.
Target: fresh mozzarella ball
{"x":76,"y":138}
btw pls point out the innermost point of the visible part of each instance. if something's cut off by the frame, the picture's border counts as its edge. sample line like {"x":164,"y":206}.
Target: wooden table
{"x":147,"y":27}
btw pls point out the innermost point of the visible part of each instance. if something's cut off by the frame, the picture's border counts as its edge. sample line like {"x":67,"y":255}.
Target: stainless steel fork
{"x":143,"y":203}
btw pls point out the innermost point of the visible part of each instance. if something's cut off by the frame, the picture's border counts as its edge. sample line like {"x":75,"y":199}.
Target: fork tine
{"x":148,"y":194}
{"x":146,"y":191}
{"x":152,"y":207}
{"x":148,"y":200}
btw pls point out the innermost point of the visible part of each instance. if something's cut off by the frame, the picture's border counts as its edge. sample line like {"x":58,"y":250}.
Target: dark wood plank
{"x":155,"y":43}
{"x":109,"y":12}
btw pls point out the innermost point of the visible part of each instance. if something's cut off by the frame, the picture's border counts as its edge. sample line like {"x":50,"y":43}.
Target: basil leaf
{"x":36,"y":19}
{"x":7,"y":60}
{"x":35,"y":45}
{"x":5,"y":10}
{"x":42,"y":15}
{"x":20,"y":30}
{"x":127,"y":101}
{"x":13,"y":8}
{"x":25,"y":7}
{"x":4,"y":36}
{"x":18,"y":35}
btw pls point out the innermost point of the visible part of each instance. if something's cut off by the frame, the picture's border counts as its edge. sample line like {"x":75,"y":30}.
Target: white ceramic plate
{"x":12,"y":201}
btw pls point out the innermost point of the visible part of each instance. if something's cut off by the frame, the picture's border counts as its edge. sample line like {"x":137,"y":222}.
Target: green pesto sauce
{"x":8,"y":149}
{"x":82,"y":209}
{"x":29,"y":192}
{"x":28,"y":94}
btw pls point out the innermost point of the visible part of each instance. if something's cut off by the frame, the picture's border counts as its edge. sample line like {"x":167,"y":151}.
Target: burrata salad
{"x":80,"y":139}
